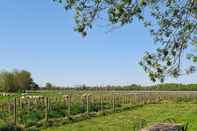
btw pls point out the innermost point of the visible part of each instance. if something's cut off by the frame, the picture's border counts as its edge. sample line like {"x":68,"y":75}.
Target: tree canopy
{"x":172,"y":24}
{"x":16,"y":81}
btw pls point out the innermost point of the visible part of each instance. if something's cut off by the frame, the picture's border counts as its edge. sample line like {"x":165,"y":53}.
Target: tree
{"x":48,"y":86}
{"x":7,"y":82}
{"x":34,"y":86}
{"x":16,"y":81}
{"x":172,"y":23}
{"x":23,"y":79}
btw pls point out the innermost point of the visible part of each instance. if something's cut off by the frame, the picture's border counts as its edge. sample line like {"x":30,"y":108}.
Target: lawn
{"x":124,"y":121}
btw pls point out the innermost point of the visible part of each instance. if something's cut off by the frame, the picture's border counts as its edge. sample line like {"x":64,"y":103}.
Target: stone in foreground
{"x":164,"y":127}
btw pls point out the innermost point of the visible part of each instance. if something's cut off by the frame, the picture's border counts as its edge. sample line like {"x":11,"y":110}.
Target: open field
{"x":41,"y":109}
{"x":125,"y":121}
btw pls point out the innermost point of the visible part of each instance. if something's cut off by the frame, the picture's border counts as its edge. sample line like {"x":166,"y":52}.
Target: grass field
{"x":123,"y":109}
{"x":124,"y":121}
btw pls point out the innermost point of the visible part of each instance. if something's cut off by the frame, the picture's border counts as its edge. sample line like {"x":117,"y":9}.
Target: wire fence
{"x":38,"y":110}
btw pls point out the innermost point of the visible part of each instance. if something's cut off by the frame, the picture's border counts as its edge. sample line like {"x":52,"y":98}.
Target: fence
{"x":31,"y":111}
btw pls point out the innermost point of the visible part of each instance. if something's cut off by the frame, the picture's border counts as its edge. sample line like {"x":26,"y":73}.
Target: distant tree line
{"x":133,"y":87}
{"x":50,"y":86}
{"x":20,"y":81}
{"x":16,"y":81}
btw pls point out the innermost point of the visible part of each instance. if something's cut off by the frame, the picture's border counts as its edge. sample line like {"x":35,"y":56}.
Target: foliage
{"x":172,"y":23}
{"x":30,"y":118}
{"x":48,"y":86}
{"x":11,"y":127}
{"x":16,"y":81}
{"x":134,"y":87}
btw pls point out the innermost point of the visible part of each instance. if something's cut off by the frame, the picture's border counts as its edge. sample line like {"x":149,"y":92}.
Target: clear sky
{"x":38,"y":36}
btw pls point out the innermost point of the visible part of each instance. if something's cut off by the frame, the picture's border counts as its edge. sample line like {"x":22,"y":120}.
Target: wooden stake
{"x":15,"y":111}
{"x":87,"y":102}
{"x":114,"y":103}
{"x":46,"y":110}
{"x":101,"y":99}
{"x":69,"y":104}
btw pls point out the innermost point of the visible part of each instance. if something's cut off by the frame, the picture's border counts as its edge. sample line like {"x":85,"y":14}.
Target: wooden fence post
{"x":15,"y":111}
{"x":135,"y":99}
{"x":114,"y":103}
{"x":69,"y":104}
{"x":46,"y":110}
{"x":130,"y":99}
{"x":101,"y":100}
{"x":87,"y":102}
{"x":9,"y":107}
{"x":124,"y":99}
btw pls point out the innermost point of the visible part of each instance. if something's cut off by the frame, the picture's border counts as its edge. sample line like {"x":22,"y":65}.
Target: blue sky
{"x":38,"y":36}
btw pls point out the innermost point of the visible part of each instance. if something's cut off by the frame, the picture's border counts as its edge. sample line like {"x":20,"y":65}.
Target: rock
{"x":164,"y":127}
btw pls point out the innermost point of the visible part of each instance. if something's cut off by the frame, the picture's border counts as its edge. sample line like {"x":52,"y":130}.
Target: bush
{"x":56,"y":113}
{"x":30,"y":118}
{"x":11,"y":127}
{"x":76,"y":108}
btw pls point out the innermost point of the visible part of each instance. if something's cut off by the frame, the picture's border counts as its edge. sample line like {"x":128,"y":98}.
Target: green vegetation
{"x":52,"y":106}
{"x":125,"y":121}
{"x":173,"y":25}
{"x":10,"y":127}
{"x":21,"y":81}
{"x":38,"y":109}
{"x":16,"y":81}
{"x":133,"y":87}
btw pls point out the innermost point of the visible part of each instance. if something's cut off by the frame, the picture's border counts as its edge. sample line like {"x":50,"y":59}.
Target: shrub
{"x":30,"y":118}
{"x":10,"y":127}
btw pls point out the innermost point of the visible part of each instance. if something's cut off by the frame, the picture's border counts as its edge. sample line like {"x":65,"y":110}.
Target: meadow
{"x":79,"y":109}
{"x":126,"y":121}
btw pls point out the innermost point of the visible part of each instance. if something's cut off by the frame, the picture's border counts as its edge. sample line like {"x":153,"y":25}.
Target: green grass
{"x":124,"y":121}
{"x":184,"y":112}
